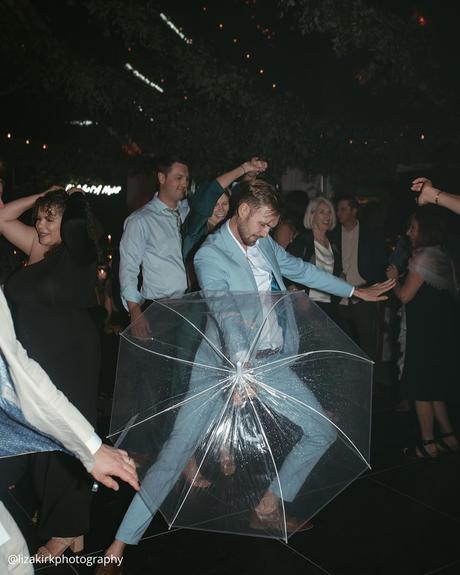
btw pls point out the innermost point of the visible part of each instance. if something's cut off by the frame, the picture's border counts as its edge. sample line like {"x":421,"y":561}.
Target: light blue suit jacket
{"x":220,"y":265}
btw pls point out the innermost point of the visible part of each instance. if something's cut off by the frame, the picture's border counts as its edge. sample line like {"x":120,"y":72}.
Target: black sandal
{"x":444,"y":447}
{"x":419,"y":451}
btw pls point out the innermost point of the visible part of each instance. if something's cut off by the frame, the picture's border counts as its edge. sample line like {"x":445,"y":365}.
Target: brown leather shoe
{"x":112,"y":568}
{"x":274,"y":522}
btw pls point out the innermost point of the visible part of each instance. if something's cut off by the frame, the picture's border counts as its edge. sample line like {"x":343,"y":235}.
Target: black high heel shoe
{"x":419,"y":451}
{"x":444,"y":447}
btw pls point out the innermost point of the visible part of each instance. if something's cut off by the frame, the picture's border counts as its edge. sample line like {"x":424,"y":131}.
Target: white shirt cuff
{"x":93,"y":443}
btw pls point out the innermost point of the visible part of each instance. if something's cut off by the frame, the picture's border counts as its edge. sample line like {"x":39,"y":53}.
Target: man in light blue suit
{"x":242,"y":257}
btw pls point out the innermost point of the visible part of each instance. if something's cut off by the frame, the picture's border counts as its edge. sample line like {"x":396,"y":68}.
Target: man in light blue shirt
{"x":152,"y":243}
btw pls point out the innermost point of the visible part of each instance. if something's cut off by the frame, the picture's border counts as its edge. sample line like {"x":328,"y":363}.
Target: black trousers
{"x":62,"y":486}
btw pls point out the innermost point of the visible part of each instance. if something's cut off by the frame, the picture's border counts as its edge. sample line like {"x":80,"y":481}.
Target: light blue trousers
{"x":192,"y":424}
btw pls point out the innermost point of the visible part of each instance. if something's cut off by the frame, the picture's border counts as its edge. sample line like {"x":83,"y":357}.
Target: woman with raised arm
{"x":431,"y":195}
{"x":49,"y":298}
{"x":429,"y":372}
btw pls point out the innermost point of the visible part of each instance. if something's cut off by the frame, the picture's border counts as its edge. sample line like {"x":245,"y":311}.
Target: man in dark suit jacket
{"x":363,"y":263}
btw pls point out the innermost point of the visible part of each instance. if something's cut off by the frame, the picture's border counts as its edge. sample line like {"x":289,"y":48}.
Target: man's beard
{"x":247,"y":239}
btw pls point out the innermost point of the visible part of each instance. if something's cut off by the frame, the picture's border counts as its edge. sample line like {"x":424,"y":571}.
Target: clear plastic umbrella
{"x":246,"y":413}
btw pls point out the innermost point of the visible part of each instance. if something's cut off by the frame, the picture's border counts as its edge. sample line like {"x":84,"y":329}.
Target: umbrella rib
{"x":175,"y":406}
{"x":274,"y":464}
{"x":213,"y":346}
{"x":274,"y":391}
{"x":259,"y":331}
{"x":293,"y":358}
{"x":204,"y":455}
{"x":178,"y":359}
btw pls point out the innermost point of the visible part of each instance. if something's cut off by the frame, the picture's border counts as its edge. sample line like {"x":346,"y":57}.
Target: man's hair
{"x":163,"y":164}
{"x":258,"y":194}
{"x":352,"y":202}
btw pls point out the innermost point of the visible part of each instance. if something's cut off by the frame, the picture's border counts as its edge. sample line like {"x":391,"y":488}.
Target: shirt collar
{"x":159,"y":206}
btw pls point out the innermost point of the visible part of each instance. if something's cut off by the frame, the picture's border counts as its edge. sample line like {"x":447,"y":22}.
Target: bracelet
{"x":437,"y":196}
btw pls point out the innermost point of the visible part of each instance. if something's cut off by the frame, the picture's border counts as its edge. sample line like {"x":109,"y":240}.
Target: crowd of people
{"x":232,"y":235}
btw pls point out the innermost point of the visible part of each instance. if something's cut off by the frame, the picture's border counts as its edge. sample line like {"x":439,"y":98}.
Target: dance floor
{"x":400,"y":518}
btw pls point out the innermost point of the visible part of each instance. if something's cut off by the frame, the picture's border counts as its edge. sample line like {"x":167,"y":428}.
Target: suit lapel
{"x":230,"y":247}
{"x":268,"y":253}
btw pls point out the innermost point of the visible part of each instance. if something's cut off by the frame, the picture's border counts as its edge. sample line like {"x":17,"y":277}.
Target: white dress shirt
{"x":272,"y":334}
{"x":152,"y":241}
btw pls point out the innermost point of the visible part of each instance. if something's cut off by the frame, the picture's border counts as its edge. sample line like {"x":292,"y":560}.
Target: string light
{"x":27,"y":141}
{"x":45,"y":146}
{"x":83,"y":123}
{"x":9,"y":136}
{"x":421,"y":21}
{"x":248,"y":56}
{"x":422,"y":136}
{"x":274,"y":86}
{"x":221,"y":26}
{"x":143,"y":78}
{"x":175,"y":29}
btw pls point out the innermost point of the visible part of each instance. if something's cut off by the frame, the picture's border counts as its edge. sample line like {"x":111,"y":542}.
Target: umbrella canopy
{"x":236,"y":400}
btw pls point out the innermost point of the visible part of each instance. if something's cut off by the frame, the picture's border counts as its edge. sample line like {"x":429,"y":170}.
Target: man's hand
{"x":140,"y":327}
{"x":108,"y":462}
{"x":254,"y":167}
{"x":374,"y":292}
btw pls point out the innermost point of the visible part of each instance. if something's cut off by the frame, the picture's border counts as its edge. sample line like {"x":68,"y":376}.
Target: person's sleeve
{"x":74,"y":230}
{"x":205,"y":198}
{"x":132,"y":248}
{"x":49,"y":410}
{"x":309,"y":275}
{"x":201,"y":208}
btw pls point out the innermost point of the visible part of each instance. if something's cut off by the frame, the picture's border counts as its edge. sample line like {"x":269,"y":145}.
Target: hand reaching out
{"x":110,"y":462}
{"x":374,"y":292}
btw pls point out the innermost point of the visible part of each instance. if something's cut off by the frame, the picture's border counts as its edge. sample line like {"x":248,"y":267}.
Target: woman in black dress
{"x":49,"y":299}
{"x":429,"y":366}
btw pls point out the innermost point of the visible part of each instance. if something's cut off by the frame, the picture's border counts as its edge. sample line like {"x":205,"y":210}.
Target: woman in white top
{"x":314,"y":245}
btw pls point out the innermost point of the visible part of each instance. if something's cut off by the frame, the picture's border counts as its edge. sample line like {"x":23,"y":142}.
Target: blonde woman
{"x":314,"y":245}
